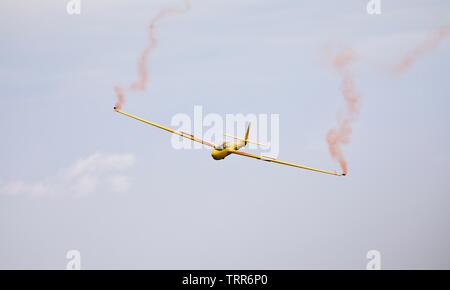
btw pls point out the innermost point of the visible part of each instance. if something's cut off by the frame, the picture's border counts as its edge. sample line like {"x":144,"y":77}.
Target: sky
{"x":77,"y":176}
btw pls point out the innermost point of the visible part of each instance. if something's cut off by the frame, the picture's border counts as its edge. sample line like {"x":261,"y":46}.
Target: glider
{"x":220,"y":152}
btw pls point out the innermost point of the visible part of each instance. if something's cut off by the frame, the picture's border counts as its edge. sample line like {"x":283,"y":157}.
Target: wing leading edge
{"x":269,"y":159}
{"x":179,"y":133}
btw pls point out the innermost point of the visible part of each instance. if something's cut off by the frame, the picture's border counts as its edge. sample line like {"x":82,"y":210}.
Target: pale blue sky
{"x":181,"y":209}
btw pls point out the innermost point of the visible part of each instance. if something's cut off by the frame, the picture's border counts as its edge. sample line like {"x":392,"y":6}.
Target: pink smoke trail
{"x":430,"y":43}
{"x":142,"y":70}
{"x":340,"y":135}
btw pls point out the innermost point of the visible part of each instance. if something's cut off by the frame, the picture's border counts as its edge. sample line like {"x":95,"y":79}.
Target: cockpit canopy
{"x":221,"y":146}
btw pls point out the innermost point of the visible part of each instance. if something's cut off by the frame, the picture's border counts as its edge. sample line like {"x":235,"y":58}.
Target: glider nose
{"x":219,"y":154}
{"x":215,"y":154}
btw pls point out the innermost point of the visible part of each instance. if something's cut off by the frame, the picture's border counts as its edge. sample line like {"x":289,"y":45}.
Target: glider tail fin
{"x":245,"y":139}
{"x":247,"y":132}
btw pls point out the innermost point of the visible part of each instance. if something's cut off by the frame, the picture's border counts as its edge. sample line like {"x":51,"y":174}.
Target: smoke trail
{"x":120,"y":98}
{"x":143,"y":74}
{"x":426,"y":46}
{"x":142,"y":70}
{"x":340,"y":135}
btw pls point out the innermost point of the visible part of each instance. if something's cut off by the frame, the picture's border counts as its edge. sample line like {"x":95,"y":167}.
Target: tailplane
{"x":245,"y":139}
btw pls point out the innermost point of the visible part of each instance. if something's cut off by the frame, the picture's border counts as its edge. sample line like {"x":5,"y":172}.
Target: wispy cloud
{"x":96,"y":172}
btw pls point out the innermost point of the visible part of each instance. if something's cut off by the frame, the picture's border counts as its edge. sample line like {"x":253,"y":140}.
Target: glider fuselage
{"x":221,"y":152}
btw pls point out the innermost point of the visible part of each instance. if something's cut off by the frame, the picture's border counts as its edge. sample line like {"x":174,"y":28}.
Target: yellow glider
{"x":219,"y":152}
